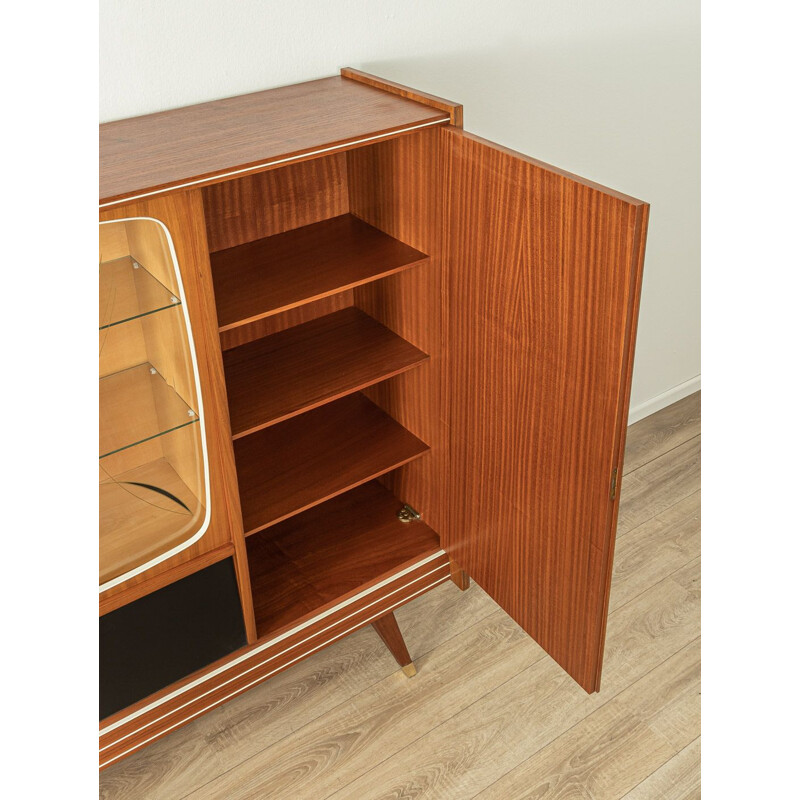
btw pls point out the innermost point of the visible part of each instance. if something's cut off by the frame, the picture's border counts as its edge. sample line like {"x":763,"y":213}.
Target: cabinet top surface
{"x":196,"y":144}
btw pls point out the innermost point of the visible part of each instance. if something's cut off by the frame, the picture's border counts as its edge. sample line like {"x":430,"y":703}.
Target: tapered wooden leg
{"x":387,"y":628}
{"x":459,"y":577}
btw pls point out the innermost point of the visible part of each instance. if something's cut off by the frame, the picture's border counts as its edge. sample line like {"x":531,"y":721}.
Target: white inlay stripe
{"x":272,"y":642}
{"x":273,"y":657}
{"x":267,"y":675}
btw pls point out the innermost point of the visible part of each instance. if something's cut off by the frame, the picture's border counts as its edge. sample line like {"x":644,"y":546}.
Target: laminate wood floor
{"x":489,"y":715}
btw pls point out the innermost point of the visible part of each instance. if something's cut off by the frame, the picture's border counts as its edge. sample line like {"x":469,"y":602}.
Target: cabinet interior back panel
{"x":276,"y":201}
{"x":255,"y":206}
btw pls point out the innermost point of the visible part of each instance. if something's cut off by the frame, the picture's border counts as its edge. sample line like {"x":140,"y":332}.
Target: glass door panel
{"x":153,"y":463}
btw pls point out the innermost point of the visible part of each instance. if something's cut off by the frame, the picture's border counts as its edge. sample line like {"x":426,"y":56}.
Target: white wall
{"x":607,"y":89}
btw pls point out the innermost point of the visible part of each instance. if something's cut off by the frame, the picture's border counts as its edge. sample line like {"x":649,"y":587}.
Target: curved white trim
{"x":276,"y":639}
{"x":201,"y":422}
{"x":268,"y":674}
{"x":265,"y":164}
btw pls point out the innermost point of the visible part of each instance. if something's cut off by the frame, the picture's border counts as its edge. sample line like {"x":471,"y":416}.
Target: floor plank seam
{"x":673,"y":755}
{"x":423,"y":765}
{"x":442,"y":722}
{"x":310,"y":721}
{"x":658,"y":514}
{"x":653,"y":585}
{"x":436,"y":727}
{"x":660,"y":455}
{"x":685,"y":564}
{"x":588,"y":716}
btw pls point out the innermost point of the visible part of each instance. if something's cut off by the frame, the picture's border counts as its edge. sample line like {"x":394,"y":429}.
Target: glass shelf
{"x":137,"y":404}
{"x":129,"y":291}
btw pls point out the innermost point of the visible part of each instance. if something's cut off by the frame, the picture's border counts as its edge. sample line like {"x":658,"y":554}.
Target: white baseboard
{"x":663,"y":400}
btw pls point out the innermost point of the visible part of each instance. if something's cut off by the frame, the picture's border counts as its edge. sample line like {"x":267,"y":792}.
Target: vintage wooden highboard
{"x":348,"y":351}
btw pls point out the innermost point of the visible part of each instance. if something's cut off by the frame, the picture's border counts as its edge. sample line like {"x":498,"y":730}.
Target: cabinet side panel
{"x":394,"y":187}
{"x":606,"y":554}
{"x":540,"y":289}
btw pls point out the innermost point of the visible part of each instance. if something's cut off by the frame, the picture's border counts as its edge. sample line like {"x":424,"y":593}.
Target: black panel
{"x":163,"y":637}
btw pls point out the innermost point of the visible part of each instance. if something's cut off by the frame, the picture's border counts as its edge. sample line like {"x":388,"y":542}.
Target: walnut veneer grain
{"x":541,"y":291}
{"x":280,"y":272}
{"x":205,"y":143}
{"x":303,"y":367}
{"x":287,"y":468}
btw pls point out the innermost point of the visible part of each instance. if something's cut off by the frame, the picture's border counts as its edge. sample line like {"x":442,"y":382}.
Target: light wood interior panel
{"x":159,"y":339}
{"x":180,"y":448}
{"x":139,"y":524}
{"x":132,"y":457}
{"x":393,"y":186}
{"x":148,"y":245}
{"x":183,"y":450}
{"x":122,"y":346}
{"x":167,"y":347}
{"x":541,"y":287}
{"x":113,"y":242}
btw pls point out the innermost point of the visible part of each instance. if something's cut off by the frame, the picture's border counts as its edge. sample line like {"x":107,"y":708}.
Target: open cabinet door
{"x":541,"y":291}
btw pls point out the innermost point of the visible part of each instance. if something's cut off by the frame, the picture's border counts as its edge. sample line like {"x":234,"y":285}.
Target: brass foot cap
{"x":410,"y":670}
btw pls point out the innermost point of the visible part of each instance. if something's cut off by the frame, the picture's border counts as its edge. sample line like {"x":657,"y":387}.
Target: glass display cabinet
{"x":153,"y":462}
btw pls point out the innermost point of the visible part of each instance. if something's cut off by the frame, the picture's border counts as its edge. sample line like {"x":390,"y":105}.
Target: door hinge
{"x":614,"y":484}
{"x":408,"y":514}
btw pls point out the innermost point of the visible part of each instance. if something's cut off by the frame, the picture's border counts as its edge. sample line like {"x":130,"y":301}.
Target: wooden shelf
{"x":262,"y":278}
{"x":318,"y":557}
{"x":287,"y":468}
{"x":139,"y":522}
{"x":241,"y":134}
{"x":298,"y":369}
